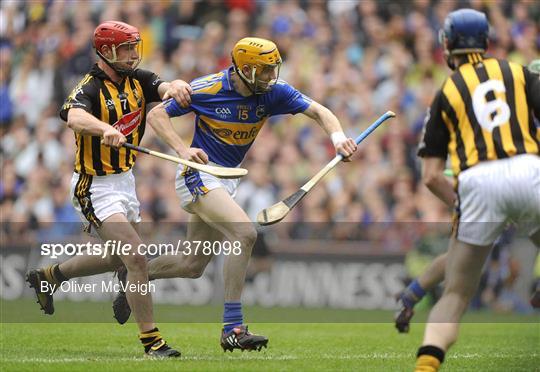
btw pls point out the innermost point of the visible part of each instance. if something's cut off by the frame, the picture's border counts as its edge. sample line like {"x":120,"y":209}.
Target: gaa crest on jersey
{"x":260,"y":111}
{"x":127,"y":123}
{"x":223,"y":112}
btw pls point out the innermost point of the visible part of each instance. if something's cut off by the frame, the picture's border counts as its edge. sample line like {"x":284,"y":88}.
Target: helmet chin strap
{"x":244,"y":80}
{"x":251,"y":86}
{"x":449,"y":60}
{"x":120,"y":71}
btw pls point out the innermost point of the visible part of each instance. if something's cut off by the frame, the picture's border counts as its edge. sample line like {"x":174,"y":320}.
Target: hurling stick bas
{"x":279,"y":211}
{"x":220,"y":172}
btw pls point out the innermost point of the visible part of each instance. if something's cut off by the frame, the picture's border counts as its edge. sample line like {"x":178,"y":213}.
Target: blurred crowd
{"x":359,"y":58}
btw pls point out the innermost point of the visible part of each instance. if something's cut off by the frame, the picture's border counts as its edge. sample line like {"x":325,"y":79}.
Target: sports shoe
{"x":161,"y":350}
{"x":121,"y":309}
{"x":44,"y":297}
{"x":403,"y":316}
{"x":240,"y":338}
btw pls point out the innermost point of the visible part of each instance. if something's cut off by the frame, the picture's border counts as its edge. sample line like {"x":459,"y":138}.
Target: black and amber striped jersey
{"x":484,"y":111}
{"x":122,"y":106}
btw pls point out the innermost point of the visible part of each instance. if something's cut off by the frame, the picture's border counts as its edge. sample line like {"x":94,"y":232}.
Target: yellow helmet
{"x":264,"y":59}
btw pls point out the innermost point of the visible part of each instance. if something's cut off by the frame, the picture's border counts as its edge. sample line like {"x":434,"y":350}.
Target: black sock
{"x":434,"y":351}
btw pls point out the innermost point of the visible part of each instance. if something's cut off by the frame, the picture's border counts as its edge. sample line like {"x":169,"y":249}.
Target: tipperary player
{"x":231,"y":107}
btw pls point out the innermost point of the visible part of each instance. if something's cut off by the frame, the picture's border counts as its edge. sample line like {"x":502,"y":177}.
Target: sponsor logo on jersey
{"x":127,"y":123}
{"x":110,"y":104}
{"x":231,"y":133}
{"x":223,"y":132}
{"x":237,"y":134}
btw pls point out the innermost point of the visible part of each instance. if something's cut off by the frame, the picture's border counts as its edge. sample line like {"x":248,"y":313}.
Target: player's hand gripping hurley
{"x":220,"y":172}
{"x":278,"y":211}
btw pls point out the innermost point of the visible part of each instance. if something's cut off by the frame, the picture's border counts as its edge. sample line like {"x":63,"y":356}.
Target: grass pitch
{"x":319,"y":346}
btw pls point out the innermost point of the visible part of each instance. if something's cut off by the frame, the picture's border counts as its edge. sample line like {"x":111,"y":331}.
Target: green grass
{"x":27,"y":311}
{"x":293,"y":346}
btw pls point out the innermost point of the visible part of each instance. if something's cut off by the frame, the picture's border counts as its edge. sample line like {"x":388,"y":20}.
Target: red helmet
{"x":114,"y":34}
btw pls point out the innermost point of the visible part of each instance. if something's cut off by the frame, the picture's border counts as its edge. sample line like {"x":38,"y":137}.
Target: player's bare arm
{"x":84,"y":123}
{"x":330,"y":123}
{"x":177,"y":89}
{"x":161,"y":123}
{"x":435,"y":180}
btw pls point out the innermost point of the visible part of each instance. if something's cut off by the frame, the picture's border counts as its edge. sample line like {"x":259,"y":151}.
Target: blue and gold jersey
{"x":227,"y":123}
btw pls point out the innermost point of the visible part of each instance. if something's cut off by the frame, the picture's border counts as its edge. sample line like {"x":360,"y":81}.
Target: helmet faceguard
{"x":120,"y":38}
{"x":264,"y":60}
{"x":465,"y":31}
